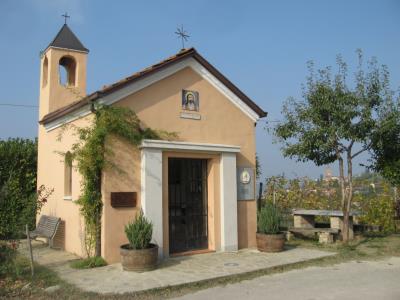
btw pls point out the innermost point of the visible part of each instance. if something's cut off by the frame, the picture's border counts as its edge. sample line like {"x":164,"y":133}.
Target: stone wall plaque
{"x":245,"y":183}
{"x":193,"y":116}
{"x":123,"y":199}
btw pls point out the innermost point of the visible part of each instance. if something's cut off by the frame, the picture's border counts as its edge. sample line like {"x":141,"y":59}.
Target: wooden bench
{"x":325,"y":235}
{"x":47,"y":228}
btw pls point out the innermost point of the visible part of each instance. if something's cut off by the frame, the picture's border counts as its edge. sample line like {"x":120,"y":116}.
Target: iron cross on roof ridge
{"x":65,"y":16}
{"x":183,"y":35}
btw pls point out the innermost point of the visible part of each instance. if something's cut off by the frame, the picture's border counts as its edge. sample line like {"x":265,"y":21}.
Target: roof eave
{"x":261,"y":113}
{"x":66,"y":49}
{"x":147,"y":72}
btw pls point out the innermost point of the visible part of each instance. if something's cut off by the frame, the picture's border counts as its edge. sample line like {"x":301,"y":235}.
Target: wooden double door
{"x":187,"y":204}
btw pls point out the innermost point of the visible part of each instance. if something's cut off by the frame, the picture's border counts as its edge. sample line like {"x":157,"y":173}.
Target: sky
{"x":261,"y":46}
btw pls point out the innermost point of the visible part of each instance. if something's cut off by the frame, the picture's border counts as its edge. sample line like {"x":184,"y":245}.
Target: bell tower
{"x":63,"y":72}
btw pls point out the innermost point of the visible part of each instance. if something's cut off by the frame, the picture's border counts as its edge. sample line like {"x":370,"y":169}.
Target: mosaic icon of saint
{"x":190,"y":102}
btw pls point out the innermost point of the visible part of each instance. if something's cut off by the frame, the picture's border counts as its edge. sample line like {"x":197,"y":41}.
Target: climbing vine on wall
{"x":92,"y":154}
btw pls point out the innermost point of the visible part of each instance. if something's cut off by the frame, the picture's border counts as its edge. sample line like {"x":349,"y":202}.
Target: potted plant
{"x":269,"y":237}
{"x":139,"y":255}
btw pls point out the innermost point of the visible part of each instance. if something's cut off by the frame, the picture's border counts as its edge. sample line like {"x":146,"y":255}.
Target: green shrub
{"x":18,"y":201}
{"x":88,"y":263}
{"x":379,"y":211}
{"x":8,"y":255}
{"x":139,"y":232}
{"x":269,"y":219}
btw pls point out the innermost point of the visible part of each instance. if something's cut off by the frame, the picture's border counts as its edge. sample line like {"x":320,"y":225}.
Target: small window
{"x":67,"y":70}
{"x":45,"y":71}
{"x":68,"y":176}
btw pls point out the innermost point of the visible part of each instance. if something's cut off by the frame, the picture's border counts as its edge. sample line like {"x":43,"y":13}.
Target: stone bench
{"x":305,"y":218}
{"x":325,"y":235}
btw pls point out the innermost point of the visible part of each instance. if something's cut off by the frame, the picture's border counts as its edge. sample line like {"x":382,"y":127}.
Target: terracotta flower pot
{"x":139,"y":260}
{"x":270,"y":242}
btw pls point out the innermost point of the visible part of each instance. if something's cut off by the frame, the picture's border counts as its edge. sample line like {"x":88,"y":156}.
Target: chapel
{"x":198,"y":189}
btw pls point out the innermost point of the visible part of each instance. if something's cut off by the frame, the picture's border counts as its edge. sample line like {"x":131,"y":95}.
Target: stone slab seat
{"x":314,"y":230}
{"x":325,"y":235}
{"x":47,"y":228}
{"x":323,"y":212}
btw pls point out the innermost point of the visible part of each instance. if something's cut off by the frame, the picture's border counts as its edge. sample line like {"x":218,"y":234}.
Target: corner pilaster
{"x":151,"y":192}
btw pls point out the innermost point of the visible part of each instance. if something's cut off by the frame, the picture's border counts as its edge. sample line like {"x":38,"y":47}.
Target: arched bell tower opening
{"x":67,"y":71}
{"x":63,"y":72}
{"x":45,"y":70}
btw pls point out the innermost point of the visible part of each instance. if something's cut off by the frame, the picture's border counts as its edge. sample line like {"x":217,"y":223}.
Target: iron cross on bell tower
{"x":65,"y":16}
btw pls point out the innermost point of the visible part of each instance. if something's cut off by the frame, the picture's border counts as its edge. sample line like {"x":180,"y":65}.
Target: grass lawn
{"x":365,"y":248}
{"x":87,"y":263}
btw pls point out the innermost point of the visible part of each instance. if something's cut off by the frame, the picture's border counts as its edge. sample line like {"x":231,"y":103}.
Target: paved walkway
{"x":361,"y":280}
{"x":174,"y":271}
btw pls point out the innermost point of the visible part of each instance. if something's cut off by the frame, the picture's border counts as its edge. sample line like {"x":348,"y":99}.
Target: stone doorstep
{"x":174,"y":272}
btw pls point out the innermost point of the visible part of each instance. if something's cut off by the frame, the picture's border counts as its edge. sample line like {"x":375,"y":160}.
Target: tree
{"x":335,"y":122}
{"x":258,"y":167}
{"x":385,"y":147}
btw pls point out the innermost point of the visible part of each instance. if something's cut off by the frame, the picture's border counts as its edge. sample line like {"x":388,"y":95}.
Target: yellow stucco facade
{"x":158,"y":106}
